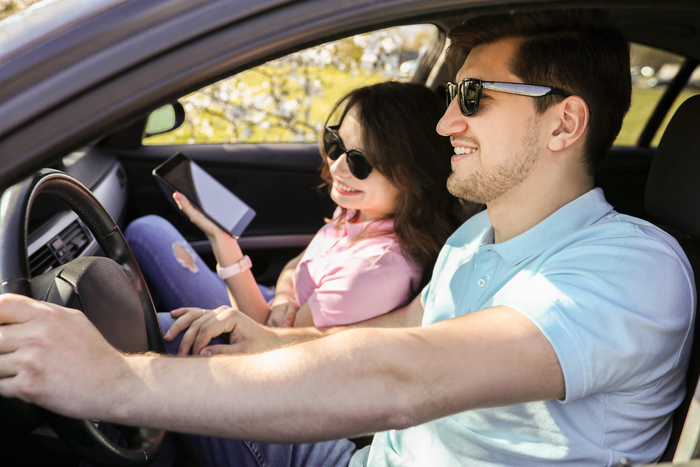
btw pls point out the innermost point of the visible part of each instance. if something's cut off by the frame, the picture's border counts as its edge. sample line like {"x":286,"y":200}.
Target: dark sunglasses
{"x":469,"y":91}
{"x":333,"y":146}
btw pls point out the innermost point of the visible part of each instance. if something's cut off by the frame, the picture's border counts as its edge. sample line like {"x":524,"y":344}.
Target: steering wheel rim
{"x":15,"y":206}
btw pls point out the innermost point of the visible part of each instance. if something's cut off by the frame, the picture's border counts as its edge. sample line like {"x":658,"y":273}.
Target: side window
{"x":652,"y":71}
{"x":288,"y":99}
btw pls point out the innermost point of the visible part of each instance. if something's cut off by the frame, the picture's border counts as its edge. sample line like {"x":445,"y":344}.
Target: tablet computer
{"x":228,"y":211}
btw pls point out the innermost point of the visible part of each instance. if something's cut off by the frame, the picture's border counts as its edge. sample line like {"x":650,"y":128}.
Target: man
{"x":554,"y":329}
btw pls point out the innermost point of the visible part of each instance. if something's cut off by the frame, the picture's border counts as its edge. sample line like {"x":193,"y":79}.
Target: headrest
{"x":672,"y":195}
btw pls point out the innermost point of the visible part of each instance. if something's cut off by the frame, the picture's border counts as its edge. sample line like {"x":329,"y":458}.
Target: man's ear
{"x":570,"y":120}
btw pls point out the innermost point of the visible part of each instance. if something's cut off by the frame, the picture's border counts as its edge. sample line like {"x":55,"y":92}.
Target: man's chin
{"x":459,"y":188}
{"x":470,"y":189}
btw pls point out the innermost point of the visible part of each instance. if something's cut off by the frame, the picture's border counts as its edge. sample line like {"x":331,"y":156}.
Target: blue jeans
{"x":176,"y":283}
{"x":173,"y":282}
{"x":218,"y":452}
{"x":207,"y":451}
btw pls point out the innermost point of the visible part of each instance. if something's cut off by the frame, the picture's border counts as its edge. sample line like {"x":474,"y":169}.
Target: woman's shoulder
{"x":382,"y":250}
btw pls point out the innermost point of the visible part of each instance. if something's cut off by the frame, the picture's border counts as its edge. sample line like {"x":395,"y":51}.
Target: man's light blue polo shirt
{"x":615,"y":297}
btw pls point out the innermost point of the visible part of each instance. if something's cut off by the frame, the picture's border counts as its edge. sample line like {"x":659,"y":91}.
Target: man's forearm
{"x":359,"y":381}
{"x":353,"y":382}
{"x":409,"y":316}
{"x":288,"y":395}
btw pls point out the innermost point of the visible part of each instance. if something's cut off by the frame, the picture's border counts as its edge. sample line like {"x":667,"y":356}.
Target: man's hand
{"x":49,"y":355}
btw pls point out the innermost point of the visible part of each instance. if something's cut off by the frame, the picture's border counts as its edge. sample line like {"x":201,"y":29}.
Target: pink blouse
{"x":345,"y":280}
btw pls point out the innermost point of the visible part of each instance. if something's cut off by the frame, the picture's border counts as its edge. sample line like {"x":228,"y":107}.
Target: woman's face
{"x":374,"y":197}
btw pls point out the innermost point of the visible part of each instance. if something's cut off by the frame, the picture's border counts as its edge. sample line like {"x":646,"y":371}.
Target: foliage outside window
{"x":288,"y":99}
{"x":10,"y":7}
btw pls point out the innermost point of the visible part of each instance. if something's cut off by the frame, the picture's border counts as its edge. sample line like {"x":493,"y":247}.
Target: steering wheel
{"x":110,"y":290}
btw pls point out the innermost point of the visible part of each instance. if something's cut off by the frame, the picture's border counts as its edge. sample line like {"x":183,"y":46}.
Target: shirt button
{"x":481,"y":282}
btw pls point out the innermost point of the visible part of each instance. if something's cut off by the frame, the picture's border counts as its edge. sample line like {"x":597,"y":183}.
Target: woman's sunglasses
{"x":469,"y":92}
{"x":333,"y":146}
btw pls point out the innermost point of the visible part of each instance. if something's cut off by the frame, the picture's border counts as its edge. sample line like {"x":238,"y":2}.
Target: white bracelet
{"x":236,"y":268}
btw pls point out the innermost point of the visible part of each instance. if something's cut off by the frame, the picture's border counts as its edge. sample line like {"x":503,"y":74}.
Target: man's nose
{"x":452,"y":121}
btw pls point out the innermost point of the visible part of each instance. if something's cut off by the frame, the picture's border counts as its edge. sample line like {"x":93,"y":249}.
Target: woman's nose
{"x":340,"y":165}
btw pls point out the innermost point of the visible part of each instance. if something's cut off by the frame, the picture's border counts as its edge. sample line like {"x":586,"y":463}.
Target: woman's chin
{"x":347,"y":201}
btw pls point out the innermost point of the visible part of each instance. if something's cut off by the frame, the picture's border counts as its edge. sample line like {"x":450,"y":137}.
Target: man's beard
{"x":485,"y":185}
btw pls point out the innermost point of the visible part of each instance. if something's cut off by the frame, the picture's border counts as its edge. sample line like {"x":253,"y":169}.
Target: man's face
{"x":498,"y":146}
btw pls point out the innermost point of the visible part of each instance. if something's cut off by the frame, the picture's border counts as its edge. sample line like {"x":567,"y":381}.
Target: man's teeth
{"x":459,"y":150}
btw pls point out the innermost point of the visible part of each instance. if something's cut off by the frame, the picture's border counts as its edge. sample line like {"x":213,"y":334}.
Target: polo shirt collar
{"x":580,"y":213}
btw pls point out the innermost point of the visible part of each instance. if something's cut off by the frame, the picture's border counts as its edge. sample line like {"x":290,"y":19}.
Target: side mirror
{"x":165,"y":119}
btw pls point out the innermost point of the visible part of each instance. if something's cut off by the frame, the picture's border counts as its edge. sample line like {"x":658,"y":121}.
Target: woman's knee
{"x":153,"y":237}
{"x":150,"y":226}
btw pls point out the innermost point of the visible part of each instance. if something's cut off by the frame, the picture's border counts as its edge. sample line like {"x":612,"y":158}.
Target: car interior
{"x":645,"y":175}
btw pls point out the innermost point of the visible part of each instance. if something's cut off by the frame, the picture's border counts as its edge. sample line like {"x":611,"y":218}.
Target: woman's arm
{"x":284,"y":306}
{"x":408,"y":316}
{"x":242,"y":287}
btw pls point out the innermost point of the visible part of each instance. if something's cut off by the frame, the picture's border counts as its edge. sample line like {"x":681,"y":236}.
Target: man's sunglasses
{"x":469,"y":92}
{"x":333,"y":146}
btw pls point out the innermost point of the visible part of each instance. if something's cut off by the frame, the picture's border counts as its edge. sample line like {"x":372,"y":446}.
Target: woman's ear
{"x":570,"y":120}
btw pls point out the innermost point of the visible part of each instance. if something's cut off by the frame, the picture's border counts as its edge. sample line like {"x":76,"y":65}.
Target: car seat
{"x":672,"y":200}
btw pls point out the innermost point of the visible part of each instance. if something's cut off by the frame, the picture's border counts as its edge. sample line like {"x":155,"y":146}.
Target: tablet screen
{"x":221,"y":206}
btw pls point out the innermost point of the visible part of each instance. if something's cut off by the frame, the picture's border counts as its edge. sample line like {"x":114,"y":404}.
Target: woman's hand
{"x":196,"y":329}
{"x":210,"y":229}
{"x":185,"y":317}
{"x":243,"y":333}
{"x":283,"y":314}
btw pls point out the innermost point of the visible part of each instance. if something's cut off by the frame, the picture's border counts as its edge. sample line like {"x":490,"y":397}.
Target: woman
{"x":386,"y":168}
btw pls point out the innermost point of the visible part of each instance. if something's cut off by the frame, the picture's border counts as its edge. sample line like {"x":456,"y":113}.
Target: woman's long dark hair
{"x":399,"y":139}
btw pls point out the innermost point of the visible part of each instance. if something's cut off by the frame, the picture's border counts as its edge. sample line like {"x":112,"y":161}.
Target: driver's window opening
{"x":288,"y":99}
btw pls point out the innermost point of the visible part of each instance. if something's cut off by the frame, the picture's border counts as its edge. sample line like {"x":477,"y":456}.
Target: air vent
{"x":75,"y":239}
{"x":41,"y":261}
{"x":69,"y":244}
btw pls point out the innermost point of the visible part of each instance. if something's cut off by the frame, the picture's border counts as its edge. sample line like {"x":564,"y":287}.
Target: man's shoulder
{"x":629,"y":228}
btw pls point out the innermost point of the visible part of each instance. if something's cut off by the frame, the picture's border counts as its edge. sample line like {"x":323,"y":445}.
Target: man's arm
{"x":246,"y":336}
{"x":407,"y":316}
{"x":351,"y":382}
